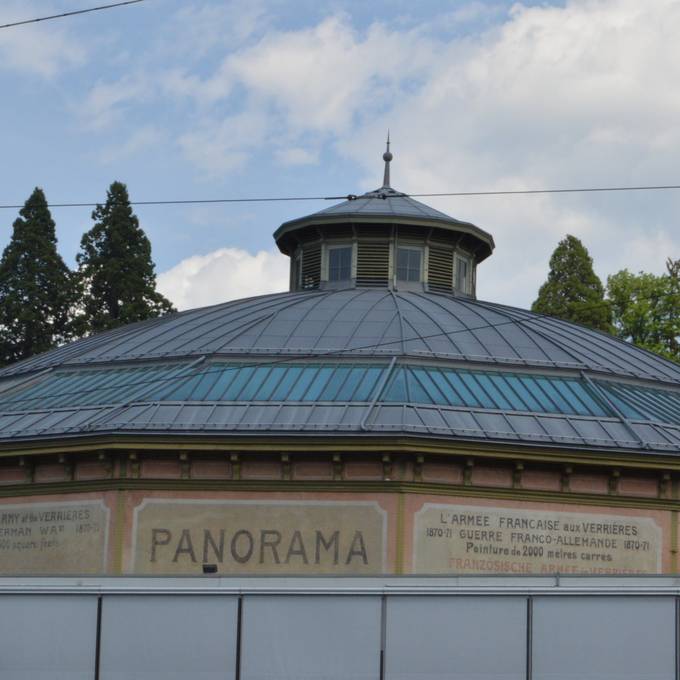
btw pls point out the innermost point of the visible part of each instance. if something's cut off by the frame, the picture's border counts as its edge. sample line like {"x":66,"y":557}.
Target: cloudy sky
{"x":210,"y":99}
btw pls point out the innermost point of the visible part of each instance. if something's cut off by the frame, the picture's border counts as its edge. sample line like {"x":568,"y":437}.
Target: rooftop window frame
{"x":460,"y":256}
{"x":414,"y":246}
{"x":335,"y":246}
{"x":296,"y":270}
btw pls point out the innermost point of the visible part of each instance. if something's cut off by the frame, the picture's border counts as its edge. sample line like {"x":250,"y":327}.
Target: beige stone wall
{"x":327,"y":533}
{"x":474,"y":536}
{"x":258,"y":536}
{"x":171,"y":513}
{"x":56,"y":535}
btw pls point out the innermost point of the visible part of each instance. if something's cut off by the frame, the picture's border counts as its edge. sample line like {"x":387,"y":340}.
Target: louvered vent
{"x":410,"y":233}
{"x":374,"y":230}
{"x":440,"y":269}
{"x":373,"y":259}
{"x":340,"y":231}
{"x":311,"y":266}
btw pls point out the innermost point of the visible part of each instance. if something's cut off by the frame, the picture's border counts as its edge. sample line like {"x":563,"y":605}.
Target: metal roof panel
{"x":363,"y":322}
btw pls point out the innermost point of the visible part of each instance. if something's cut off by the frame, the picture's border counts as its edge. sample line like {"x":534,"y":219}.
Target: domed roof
{"x":357,"y":361}
{"x":403,"y":362}
{"x":368,"y":323}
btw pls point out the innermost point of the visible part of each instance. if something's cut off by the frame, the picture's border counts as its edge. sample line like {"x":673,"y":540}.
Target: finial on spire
{"x":387,"y":157}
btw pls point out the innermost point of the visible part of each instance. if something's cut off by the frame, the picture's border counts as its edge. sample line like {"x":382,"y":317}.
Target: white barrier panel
{"x":315,"y":637}
{"x":48,"y":637}
{"x":603,"y":638}
{"x":456,"y":638}
{"x":173,"y":637}
{"x":340,"y":629}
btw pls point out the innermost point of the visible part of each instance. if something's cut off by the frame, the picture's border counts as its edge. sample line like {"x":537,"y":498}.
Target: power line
{"x":72,"y":13}
{"x":300,"y":357}
{"x":198,"y":201}
{"x":353,"y":197}
{"x":659,"y":187}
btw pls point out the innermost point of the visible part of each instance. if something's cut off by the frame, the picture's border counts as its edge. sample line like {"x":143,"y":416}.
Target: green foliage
{"x":116,"y":273}
{"x":36,"y":287}
{"x":573,"y":291}
{"x":646,"y":309}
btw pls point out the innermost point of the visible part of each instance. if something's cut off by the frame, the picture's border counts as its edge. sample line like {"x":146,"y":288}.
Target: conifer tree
{"x":116,"y":273}
{"x":573,"y":291}
{"x":36,"y":287}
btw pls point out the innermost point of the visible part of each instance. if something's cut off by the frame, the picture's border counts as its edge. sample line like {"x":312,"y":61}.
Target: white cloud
{"x":198,"y":28}
{"x":106,"y":102}
{"x":319,"y":79}
{"x":219,"y":147}
{"x":583,"y":94}
{"x":36,"y":48}
{"x":323,"y":76}
{"x":179,"y":82}
{"x":591,"y":72}
{"x":140,"y":139}
{"x":645,"y":252}
{"x":225,"y":274}
{"x":297,"y":156}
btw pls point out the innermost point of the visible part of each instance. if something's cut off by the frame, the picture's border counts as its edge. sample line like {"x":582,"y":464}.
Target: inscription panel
{"x":53,"y":538}
{"x":468,"y":539}
{"x":261,"y":537}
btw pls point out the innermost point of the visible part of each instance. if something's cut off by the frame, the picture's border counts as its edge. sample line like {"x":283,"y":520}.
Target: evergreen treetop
{"x":36,"y":287}
{"x":573,"y":291}
{"x":115,"y":267}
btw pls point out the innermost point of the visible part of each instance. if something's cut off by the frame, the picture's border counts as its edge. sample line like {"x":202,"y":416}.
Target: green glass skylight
{"x":493,"y":390}
{"x":339,"y":382}
{"x":644,"y":403}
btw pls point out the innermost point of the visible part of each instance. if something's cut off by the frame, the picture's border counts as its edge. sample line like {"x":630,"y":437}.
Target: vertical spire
{"x":387,"y":157}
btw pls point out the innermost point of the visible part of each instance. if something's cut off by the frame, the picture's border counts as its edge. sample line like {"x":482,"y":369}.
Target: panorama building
{"x":375,"y":422}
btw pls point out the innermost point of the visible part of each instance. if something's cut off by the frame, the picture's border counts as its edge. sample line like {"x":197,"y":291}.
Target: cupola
{"x":384,"y":239}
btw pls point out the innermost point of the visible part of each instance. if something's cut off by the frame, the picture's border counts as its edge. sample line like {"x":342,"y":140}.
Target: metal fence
{"x":472,"y":628}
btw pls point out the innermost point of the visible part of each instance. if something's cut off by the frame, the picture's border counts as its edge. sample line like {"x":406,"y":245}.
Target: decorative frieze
{"x":285,"y":467}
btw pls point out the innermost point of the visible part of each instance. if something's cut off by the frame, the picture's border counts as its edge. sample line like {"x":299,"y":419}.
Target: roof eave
{"x":454,"y":226}
{"x":136,"y":438}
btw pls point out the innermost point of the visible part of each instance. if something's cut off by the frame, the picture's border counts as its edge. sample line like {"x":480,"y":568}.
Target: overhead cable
{"x":198,"y":200}
{"x":354,"y":197}
{"x":580,"y":190}
{"x":70,"y":14}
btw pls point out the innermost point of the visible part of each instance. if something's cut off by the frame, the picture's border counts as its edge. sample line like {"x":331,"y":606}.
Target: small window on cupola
{"x":463,"y":275}
{"x":339,"y":263}
{"x":295,"y":271}
{"x":409,"y":264}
